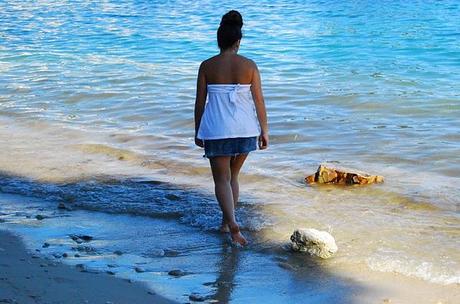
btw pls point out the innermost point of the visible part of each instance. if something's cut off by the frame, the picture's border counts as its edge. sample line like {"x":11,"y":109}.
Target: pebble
{"x":64,"y":207}
{"x":57,"y":255}
{"x":172,"y":197}
{"x":40,"y":217}
{"x":65,"y":255}
{"x":77,"y":255}
{"x":80,"y":266}
{"x":158,"y":252}
{"x":112,"y":265}
{"x":45,"y":245}
{"x":196,"y":297}
{"x":110,"y":272}
{"x":176,"y":273}
{"x":171,"y":253}
{"x":139,"y":269}
{"x":87,"y":249}
{"x":118,"y":252}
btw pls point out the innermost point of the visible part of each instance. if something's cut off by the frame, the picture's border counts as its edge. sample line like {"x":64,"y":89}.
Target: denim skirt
{"x":229,"y":146}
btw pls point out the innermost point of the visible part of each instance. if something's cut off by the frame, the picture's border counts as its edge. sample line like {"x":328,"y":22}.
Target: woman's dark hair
{"x":229,"y":30}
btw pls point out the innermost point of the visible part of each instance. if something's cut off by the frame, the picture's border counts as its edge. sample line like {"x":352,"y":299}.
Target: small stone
{"x":87,"y":249}
{"x":45,"y":245}
{"x":65,"y":255}
{"x":139,"y":269}
{"x":172,"y":197}
{"x":35,"y":256}
{"x":80,"y":266}
{"x":77,"y":255}
{"x":86,"y":238}
{"x":158,"y":252}
{"x":176,"y":273}
{"x":118,"y":252}
{"x":62,"y":206}
{"x":112,"y":265}
{"x":80,"y":238}
{"x":43,"y":265}
{"x":110,"y":272}
{"x":151,"y":293}
{"x":40,"y":217}
{"x":286,"y":266}
{"x":57,"y":255}
{"x":171,"y":253}
{"x":196,"y":297}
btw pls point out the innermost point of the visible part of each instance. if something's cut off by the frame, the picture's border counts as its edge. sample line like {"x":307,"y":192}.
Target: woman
{"x":233,"y":120}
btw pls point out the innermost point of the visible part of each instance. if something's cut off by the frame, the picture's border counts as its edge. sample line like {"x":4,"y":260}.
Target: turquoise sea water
{"x":368,"y":85}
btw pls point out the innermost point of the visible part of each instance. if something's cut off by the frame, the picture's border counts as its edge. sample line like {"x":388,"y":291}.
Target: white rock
{"x":315,"y":242}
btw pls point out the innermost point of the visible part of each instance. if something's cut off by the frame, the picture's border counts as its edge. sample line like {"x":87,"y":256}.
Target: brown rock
{"x":340,"y":176}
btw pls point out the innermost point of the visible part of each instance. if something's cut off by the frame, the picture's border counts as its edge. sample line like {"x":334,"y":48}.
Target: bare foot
{"x":224,"y":227}
{"x":236,"y":235}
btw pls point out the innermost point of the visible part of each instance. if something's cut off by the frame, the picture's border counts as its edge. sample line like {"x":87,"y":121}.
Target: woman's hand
{"x":199,"y":142}
{"x":263,"y":141}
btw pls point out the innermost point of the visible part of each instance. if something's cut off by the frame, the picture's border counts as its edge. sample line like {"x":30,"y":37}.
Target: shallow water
{"x":364,"y":85}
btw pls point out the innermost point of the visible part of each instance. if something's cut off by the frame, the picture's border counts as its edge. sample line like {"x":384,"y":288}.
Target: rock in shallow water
{"x":177,"y":273}
{"x":341,"y":176}
{"x":315,"y":242}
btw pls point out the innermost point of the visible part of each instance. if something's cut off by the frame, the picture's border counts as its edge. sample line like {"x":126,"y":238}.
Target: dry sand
{"x":26,"y":278}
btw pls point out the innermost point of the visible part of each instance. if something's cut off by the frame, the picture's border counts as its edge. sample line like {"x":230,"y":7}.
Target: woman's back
{"x":228,"y":69}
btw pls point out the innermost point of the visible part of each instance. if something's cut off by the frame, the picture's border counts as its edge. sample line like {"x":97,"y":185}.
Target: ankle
{"x":234,"y":228}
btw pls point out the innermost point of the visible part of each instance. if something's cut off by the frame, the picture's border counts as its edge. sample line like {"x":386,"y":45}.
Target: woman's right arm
{"x":200,"y":100}
{"x":257,"y":96}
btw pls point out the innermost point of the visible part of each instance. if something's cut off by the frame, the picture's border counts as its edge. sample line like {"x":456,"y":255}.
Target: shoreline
{"x":27,"y":278}
{"x":44,"y":279}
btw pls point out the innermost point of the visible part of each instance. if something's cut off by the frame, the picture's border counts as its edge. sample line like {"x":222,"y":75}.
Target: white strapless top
{"x":229,"y":113}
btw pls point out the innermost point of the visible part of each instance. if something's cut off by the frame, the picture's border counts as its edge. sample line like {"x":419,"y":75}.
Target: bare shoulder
{"x":249,"y":63}
{"x":206,"y":63}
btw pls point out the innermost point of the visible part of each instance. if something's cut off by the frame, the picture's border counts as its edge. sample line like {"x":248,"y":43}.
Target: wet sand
{"x":27,"y":278}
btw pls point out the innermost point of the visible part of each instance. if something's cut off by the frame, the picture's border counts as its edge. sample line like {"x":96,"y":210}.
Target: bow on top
{"x":232,"y":91}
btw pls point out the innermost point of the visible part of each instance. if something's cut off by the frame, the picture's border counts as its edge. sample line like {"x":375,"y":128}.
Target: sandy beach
{"x":27,"y":278}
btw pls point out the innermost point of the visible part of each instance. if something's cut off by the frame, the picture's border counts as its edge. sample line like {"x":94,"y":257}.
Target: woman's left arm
{"x":201,"y":92}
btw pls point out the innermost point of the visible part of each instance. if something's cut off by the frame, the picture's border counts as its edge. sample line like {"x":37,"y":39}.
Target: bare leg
{"x":221,"y":173}
{"x":236,"y":162}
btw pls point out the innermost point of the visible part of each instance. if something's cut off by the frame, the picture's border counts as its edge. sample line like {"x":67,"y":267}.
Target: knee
{"x":222,"y":179}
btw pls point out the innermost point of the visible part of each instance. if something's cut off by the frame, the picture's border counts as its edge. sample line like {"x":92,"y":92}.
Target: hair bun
{"x":233,"y":18}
